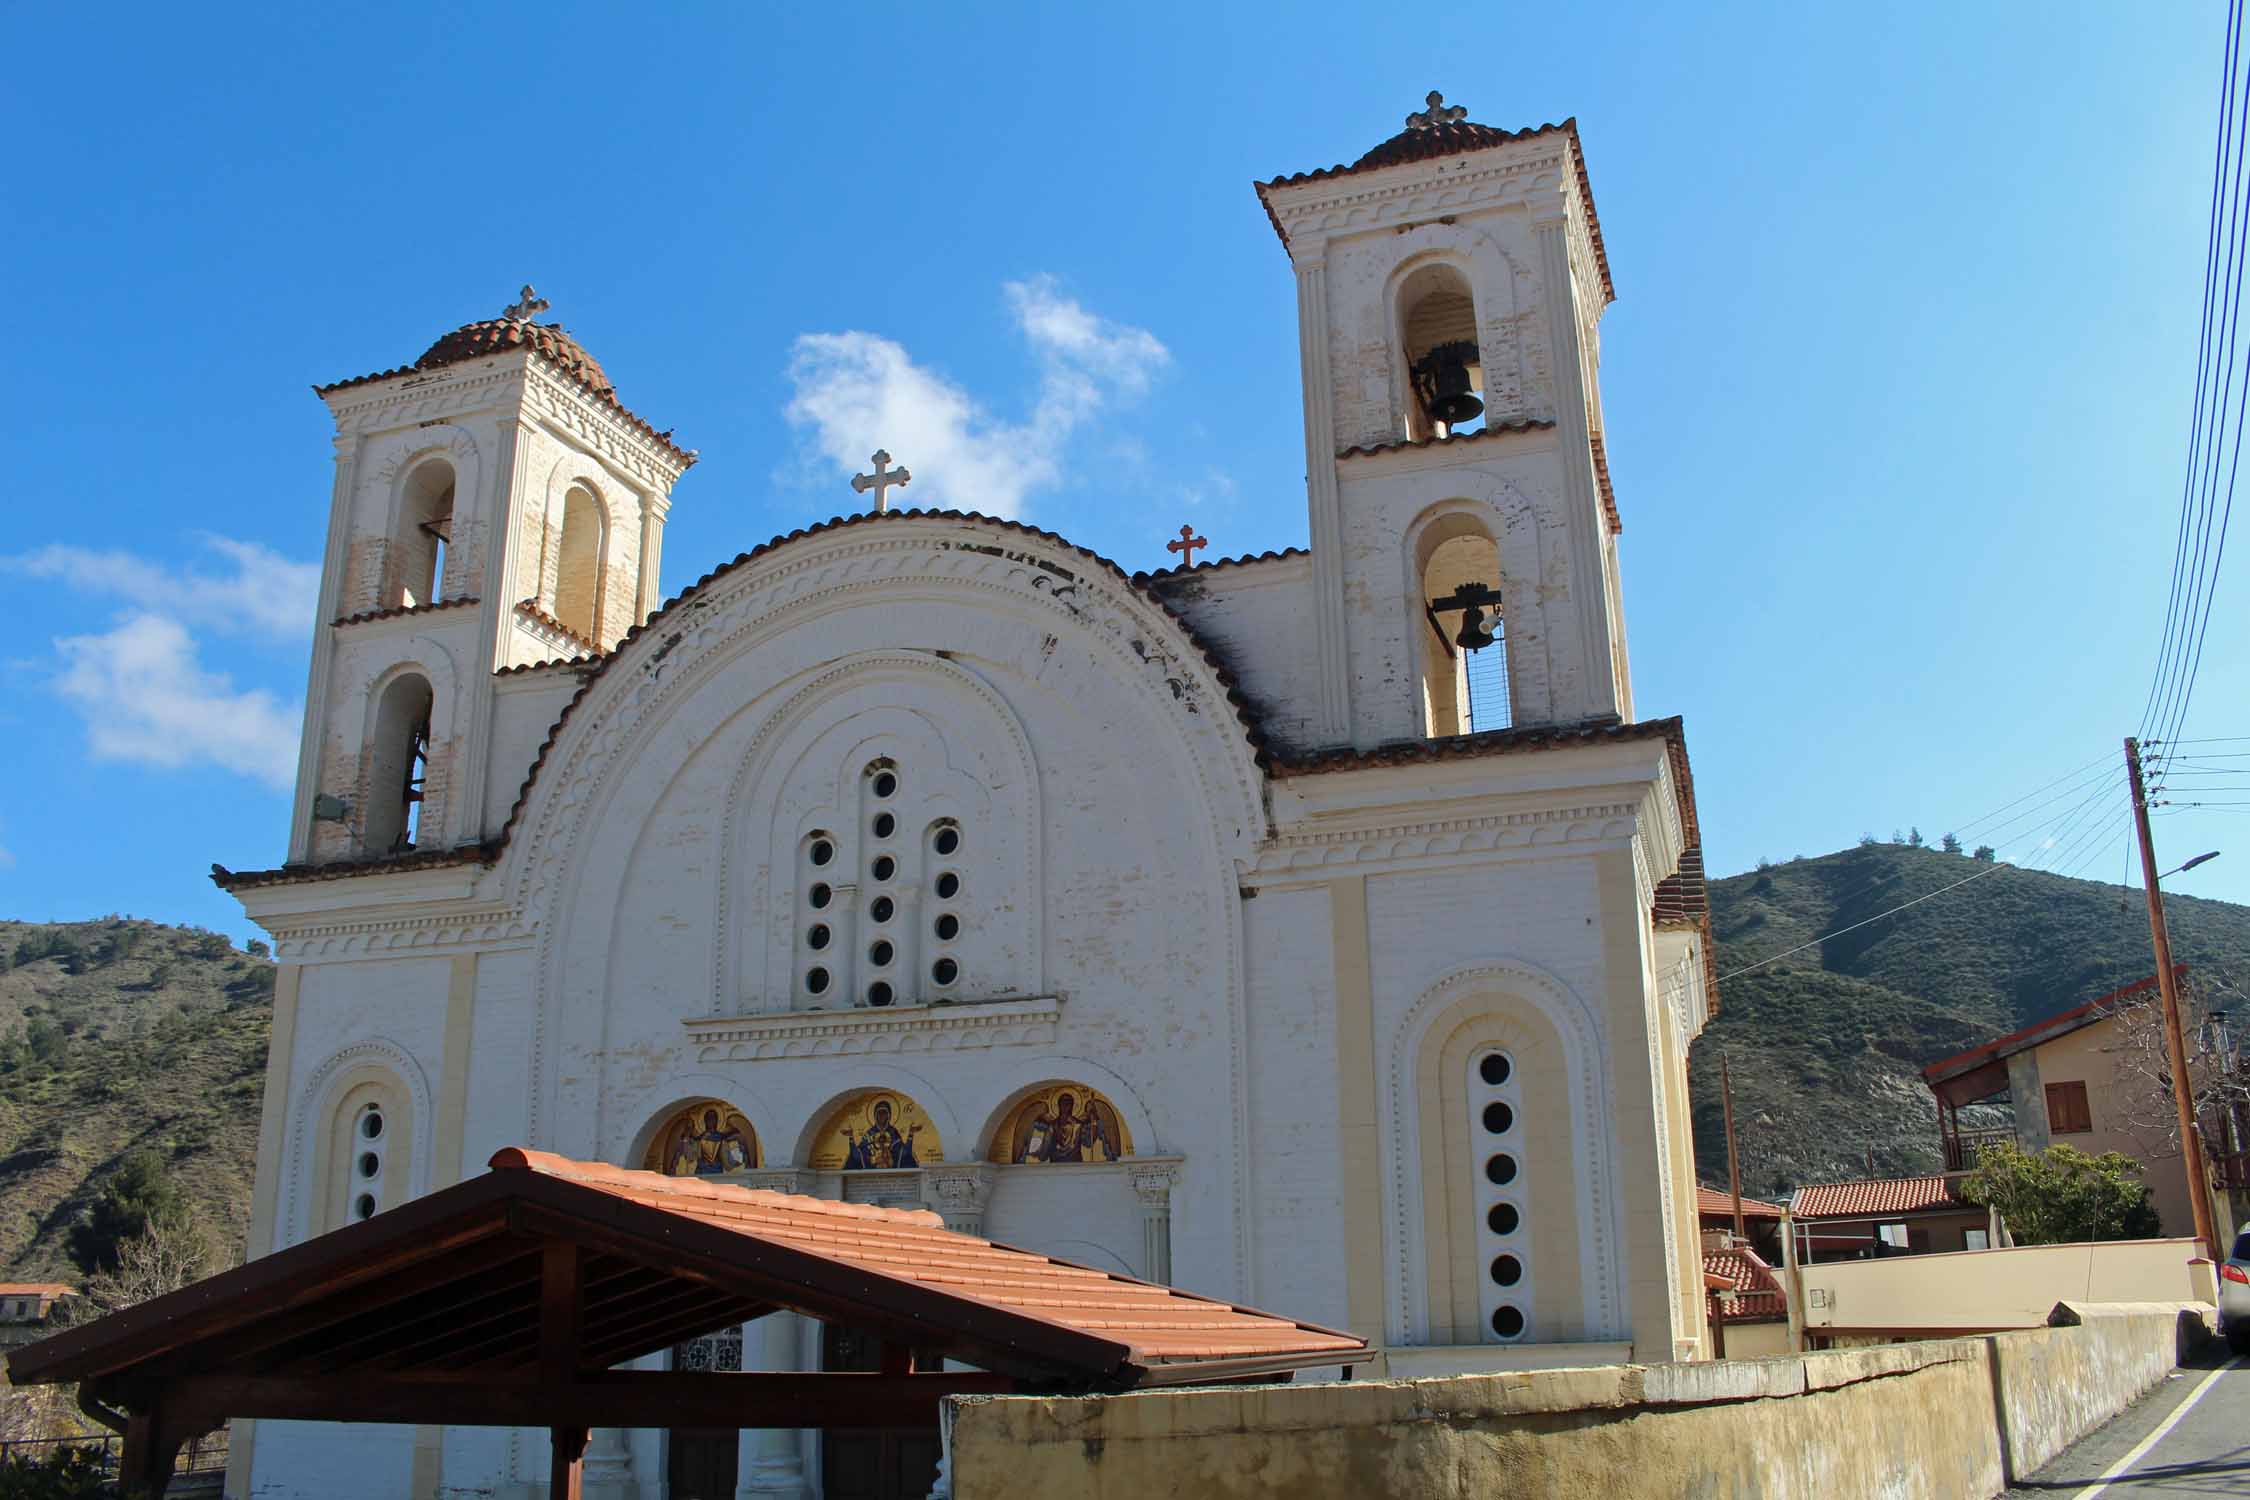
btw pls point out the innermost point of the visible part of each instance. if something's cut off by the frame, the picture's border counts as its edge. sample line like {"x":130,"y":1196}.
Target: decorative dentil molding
{"x":866,"y":1031}
{"x":1291,"y":853}
{"x":330,"y":939}
{"x":1447,"y":185}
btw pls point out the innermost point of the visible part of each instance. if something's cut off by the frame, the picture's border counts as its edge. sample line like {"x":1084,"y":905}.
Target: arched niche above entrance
{"x":876,"y":1130}
{"x":705,"y":1139}
{"x":1062,"y":1122}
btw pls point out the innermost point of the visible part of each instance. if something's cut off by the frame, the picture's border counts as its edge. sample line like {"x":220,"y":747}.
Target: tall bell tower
{"x":1450,"y":283}
{"x":495,"y":507}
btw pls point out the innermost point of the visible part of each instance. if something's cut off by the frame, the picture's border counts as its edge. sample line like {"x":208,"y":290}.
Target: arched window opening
{"x":1464,"y":642}
{"x":398,"y":766}
{"x":1437,"y":320}
{"x":578,"y":565}
{"x":425,"y":529}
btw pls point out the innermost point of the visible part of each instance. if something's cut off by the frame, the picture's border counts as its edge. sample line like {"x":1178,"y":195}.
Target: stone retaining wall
{"x":1943,"y":1419}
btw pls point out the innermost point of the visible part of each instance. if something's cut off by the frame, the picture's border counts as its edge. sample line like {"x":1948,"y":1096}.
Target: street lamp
{"x":2200,"y":859}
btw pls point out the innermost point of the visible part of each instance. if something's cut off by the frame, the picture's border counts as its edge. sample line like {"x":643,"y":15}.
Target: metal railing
{"x":206,"y":1454}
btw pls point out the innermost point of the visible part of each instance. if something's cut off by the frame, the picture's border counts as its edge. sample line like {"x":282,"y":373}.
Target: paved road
{"x":2205,"y":1451}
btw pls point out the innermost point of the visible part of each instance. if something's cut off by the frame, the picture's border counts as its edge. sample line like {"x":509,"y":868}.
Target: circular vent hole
{"x":885,"y":825}
{"x":1494,"y":1069}
{"x":819,"y":896}
{"x":880,"y":909}
{"x":1500,"y":1168}
{"x":369,"y":1164}
{"x":816,"y":981}
{"x":822,"y":851}
{"x":879,"y":954}
{"x":878,"y":993}
{"x":948,"y":839}
{"x":1506,"y":1270}
{"x":1507,"y":1322}
{"x":1503,"y":1218}
{"x":363,"y":1205}
{"x":945,"y":971}
{"x":1498,"y":1118}
{"x":948,"y":886}
{"x":371,"y":1124}
{"x":947,"y":926}
{"x":817,"y":938}
{"x":884,"y":867}
{"x":886,"y":784}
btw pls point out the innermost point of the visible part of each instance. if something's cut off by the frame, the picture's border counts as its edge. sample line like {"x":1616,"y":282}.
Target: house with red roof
{"x":1888,"y":1216}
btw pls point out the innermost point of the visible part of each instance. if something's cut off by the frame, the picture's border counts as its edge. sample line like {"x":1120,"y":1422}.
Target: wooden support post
{"x":567,"y":1471}
{"x":151,"y":1448}
{"x":562,"y":1310}
{"x":897,"y":1358}
{"x":1734,"y":1163}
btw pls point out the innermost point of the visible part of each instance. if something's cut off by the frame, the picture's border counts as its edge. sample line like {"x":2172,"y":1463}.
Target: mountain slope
{"x":1826,"y":1046}
{"x":117,"y":1036}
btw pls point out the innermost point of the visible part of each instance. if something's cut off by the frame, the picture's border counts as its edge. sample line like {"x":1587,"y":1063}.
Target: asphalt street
{"x":2203,"y":1413}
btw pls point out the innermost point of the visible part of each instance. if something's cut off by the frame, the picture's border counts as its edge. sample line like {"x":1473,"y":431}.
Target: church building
{"x":1320,"y":929}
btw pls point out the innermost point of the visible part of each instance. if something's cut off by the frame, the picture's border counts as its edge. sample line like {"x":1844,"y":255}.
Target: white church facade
{"x":1320,"y":929}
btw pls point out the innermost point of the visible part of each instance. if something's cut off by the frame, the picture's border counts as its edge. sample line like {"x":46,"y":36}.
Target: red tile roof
{"x":2062,"y":1023}
{"x":367,"y":616}
{"x":340,"y":869}
{"x":1758,"y":1292}
{"x":549,"y":342}
{"x":532,"y":610}
{"x":36,"y":1289}
{"x":1496,"y":429}
{"x":1165,"y":575}
{"x":1457,"y":139}
{"x":1711,"y":1202}
{"x":1881,"y":1196}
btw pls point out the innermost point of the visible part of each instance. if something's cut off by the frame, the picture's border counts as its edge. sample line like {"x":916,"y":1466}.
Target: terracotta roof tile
{"x":555,"y":664}
{"x":1247,"y":559}
{"x":1601,"y":479}
{"x":550,"y":342}
{"x":1893,"y":1195}
{"x":367,"y":616}
{"x":36,"y":1289}
{"x":1757,"y":1291}
{"x":1471,"y":746}
{"x":531,"y":610}
{"x":1457,"y":139}
{"x":340,"y":869}
{"x":1497,"y":429}
{"x":1711,"y":1202}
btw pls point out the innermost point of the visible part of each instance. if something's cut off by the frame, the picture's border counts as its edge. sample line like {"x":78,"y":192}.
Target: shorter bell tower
{"x":1464,"y":532}
{"x":495,"y":507}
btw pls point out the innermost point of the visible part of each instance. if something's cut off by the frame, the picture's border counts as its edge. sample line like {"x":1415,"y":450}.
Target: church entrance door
{"x":873,"y":1465}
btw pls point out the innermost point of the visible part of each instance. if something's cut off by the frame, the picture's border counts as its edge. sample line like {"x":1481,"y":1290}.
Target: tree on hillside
{"x":1951,"y":843}
{"x":1914,"y":837}
{"x":1868,"y":841}
{"x":2062,"y":1196}
{"x":1986,"y":853}
{"x":137,"y":1196}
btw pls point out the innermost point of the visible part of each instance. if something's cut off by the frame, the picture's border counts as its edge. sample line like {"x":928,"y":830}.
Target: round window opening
{"x":816,"y":981}
{"x":948,"y":886}
{"x":364,"y":1205}
{"x":1502,"y":1218}
{"x":371,"y":1124}
{"x":1498,"y":1118}
{"x":1500,"y":1168}
{"x":879,"y":954}
{"x":884,"y":867}
{"x":880,"y":909}
{"x":948,"y":839}
{"x":1494,"y":1069}
{"x":878,"y":993}
{"x":369,"y":1164}
{"x":1506,"y":1270}
{"x":822,"y":851}
{"x":817,"y":938}
{"x":945,"y":971}
{"x":819,"y":896}
{"x":948,"y":926}
{"x":886,"y":784}
{"x":1508,"y":1322}
{"x":885,"y":825}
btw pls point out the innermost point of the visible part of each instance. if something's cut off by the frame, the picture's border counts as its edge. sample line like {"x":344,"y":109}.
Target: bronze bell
{"x":1473,"y":635}
{"x":1447,"y":391}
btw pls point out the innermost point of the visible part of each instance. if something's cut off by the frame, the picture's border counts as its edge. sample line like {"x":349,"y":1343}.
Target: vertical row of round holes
{"x":369,"y":1147}
{"x":882,"y":871}
{"x":820,"y":853}
{"x":945,"y":922}
{"x":1494,"y":1108}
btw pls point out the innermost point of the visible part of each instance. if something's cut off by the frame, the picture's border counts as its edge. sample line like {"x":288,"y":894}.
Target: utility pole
{"x":2168,"y":986}
{"x":1734,"y":1163}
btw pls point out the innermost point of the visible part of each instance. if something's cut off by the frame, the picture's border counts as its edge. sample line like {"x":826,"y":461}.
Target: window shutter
{"x":2067,"y":1110}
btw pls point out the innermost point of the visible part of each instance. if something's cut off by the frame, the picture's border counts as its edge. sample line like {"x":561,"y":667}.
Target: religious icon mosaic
{"x":704,"y":1140}
{"x":878,"y":1131}
{"x":1062,"y":1122}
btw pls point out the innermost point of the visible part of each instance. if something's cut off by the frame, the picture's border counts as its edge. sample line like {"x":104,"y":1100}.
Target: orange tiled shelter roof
{"x":1711,"y":1201}
{"x":1892,"y":1195}
{"x":452,"y":1280}
{"x":36,"y":1289}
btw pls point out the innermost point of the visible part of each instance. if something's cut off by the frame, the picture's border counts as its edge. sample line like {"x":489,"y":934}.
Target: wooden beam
{"x":562,"y":1309}
{"x":566,"y":1469}
{"x":608,"y":1398}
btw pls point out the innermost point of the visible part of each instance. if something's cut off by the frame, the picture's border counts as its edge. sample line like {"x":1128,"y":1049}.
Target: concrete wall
{"x":1993,"y":1288}
{"x":1957,"y":1417}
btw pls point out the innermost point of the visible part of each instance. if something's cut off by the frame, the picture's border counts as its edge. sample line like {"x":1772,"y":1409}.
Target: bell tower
{"x":1450,"y":283}
{"x":495,"y":507}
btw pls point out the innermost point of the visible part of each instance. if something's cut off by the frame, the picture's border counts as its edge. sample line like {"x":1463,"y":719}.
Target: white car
{"x":2234,"y":1295}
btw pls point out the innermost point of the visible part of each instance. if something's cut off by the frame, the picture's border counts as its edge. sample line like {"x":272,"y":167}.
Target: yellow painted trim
{"x":1359,"y":1144}
{"x":265,"y":1188}
{"x":446,"y":1165}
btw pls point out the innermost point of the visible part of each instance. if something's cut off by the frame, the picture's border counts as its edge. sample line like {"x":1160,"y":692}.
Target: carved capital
{"x":1153,"y":1184}
{"x":775,"y":1180}
{"x":958,"y":1192}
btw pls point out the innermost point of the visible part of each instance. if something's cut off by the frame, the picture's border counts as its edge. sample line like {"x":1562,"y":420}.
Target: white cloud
{"x":857,"y":390}
{"x":146,"y":699}
{"x":262,"y":593}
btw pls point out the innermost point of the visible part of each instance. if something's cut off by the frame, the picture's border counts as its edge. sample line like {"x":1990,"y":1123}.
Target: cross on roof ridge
{"x":1439,"y":113}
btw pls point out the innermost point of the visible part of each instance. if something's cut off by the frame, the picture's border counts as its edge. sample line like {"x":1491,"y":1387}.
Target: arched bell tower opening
{"x":1436,"y":318}
{"x":574,"y":563}
{"x":425,"y":527}
{"x":398,"y":757}
{"x":1463,"y":661}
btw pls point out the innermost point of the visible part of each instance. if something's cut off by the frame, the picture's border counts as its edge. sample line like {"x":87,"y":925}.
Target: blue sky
{"x":1897,"y":385}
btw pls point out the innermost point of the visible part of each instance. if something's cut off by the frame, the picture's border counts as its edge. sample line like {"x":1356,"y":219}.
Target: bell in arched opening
{"x":1446,"y":379}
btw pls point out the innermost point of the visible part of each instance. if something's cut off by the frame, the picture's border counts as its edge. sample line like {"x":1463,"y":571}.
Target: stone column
{"x":771,"y":1464}
{"x":959,"y":1193}
{"x":1598,"y":688}
{"x":1152,"y":1184}
{"x":608,"y":1470}
{"x":1323,"y":503}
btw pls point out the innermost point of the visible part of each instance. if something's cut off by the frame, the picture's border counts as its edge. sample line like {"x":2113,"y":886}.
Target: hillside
{"x":116,"y":1036}
{"x":1827,"y":1046}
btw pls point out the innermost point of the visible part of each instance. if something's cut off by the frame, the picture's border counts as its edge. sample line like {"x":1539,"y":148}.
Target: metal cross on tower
{"x":530,"y":303}
{"x":882,"y":479}
{"x":1186,"y":546}
{"x":1439,"y":113}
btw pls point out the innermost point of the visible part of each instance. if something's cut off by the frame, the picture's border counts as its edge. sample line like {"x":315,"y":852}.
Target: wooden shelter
{"x":509,"y":1300}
